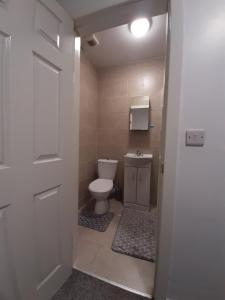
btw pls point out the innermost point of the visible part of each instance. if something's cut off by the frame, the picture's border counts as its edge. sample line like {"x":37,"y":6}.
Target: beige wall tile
{"x":104,"y":115}
{"x":82,"y":170}
{"x":119,"y":120}
{"x":117,"y":85}
{"x":88,"y":127}
{"x":114,"y":104}
{"x":91,"y":170}
{"x":83,"y":192}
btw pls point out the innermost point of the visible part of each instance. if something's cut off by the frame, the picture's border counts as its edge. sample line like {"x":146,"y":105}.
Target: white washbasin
{"x":133,"y":158}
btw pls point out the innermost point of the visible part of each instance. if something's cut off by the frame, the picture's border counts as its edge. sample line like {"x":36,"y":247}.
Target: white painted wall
{"x":197,"y":260}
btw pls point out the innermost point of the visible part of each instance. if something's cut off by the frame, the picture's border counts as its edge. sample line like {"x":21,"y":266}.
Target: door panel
{"x":143,"y":187}
{"x":48,"y":24}
{"x":46,"y":104}
{"x":8,"y":288}
{"x":37,"y":151}
{"x":4,"y":88}
{"x":130,"y":184}
{"x":48,"y":232}
{"x":52,"y":53}
{"x":5,"y":44}
{"x":8,"y":282}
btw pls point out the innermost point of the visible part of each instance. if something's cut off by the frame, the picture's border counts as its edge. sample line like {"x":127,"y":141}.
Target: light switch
{"x":195,"y":137}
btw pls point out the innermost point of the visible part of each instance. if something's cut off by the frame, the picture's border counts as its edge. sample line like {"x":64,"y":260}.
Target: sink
{"x":137,"y":160}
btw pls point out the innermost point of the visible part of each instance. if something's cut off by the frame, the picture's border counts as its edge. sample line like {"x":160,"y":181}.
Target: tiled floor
{"x":96,"y":257}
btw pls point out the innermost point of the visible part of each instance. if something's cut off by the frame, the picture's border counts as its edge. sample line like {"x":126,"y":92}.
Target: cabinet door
{"x":130,"y":184}
{"x":143,"y":187}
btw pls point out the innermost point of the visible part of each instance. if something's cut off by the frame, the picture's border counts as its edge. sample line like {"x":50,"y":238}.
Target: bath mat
{"x":136,"y":234}
{"x":97,"y":222}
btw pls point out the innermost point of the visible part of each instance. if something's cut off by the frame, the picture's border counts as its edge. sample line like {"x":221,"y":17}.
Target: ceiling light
{"x":140,"y":27}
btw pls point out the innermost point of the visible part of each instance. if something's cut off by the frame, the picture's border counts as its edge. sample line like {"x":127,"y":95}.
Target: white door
{"x":36,"y":148}
{"x":130,"y":185}
{"x":143,"y":187}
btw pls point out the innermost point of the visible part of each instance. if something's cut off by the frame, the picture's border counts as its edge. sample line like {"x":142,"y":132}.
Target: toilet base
{"x":101,"y":206}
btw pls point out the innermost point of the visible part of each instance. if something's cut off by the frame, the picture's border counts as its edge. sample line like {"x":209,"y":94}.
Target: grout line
{"x":114,"y":283}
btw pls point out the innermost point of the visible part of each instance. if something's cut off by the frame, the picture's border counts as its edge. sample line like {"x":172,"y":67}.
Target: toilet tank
{"x":107,"y":168}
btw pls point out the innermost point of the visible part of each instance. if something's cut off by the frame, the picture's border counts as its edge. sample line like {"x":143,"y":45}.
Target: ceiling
{"x":82,"y":8}
{"x":118,"y":46}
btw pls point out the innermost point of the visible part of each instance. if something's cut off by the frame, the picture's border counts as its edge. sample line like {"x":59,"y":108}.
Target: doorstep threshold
{"x":124,"y":287}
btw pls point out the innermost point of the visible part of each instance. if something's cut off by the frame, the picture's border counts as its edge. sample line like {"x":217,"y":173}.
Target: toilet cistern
{"x":100,"y":188}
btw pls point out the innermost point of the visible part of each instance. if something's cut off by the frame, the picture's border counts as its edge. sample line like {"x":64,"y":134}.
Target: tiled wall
{"x":116,"y":87}
{"x":88,"y":127}
{"x":104,"y":117}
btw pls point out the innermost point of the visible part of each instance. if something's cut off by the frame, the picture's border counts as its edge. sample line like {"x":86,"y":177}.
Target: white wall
{"x":197,"y":260}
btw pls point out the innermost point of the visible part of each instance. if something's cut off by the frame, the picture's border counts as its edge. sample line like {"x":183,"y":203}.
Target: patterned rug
{"x":97,"y":222}
{"x":136,"y":234}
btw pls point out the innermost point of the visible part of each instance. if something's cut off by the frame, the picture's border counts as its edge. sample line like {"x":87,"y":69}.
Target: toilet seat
{"x":101,"y":185}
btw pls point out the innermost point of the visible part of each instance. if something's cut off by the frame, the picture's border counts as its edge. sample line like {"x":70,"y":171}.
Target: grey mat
{"x":136,"y":234}
{"x":93,"y":221}
{"x":84,"y":287}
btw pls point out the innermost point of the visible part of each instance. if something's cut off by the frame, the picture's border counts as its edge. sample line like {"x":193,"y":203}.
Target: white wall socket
{"x":195,"y":137}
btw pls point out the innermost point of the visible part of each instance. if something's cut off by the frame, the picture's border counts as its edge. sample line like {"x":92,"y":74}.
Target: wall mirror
{"x":139,"y":113}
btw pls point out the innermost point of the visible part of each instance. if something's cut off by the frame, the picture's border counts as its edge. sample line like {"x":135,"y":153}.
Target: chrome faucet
{"x":138,"y":153}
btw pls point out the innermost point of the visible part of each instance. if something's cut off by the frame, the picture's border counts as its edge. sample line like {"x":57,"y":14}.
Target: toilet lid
{"x":101,"y":185}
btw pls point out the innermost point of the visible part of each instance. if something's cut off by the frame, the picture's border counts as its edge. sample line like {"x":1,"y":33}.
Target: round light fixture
{"x":140,"y":27}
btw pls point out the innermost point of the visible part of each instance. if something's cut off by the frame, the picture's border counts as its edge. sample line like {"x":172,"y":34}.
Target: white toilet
{"x":101,"y":187}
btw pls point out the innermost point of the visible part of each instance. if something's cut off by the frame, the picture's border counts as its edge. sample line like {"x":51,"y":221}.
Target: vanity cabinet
{"x":137,"y":186}
{"x":130,"y":185}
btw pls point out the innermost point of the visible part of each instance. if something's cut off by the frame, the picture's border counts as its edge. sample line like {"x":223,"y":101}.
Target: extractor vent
{"x":92,"y":40}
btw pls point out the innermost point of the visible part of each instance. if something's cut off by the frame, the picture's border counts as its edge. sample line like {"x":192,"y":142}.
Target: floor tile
{"x":96,"y":257}
{"x":131,"y":272}
{"x":87,"y":251}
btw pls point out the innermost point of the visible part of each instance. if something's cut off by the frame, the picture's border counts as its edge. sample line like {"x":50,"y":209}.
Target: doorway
{"x":109,"y":82}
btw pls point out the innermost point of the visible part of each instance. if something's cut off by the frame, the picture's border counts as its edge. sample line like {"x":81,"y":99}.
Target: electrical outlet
{"x":195,"y":137}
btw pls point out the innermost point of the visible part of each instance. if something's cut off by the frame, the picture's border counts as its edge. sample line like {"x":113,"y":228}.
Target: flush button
{"x":195,"y":137}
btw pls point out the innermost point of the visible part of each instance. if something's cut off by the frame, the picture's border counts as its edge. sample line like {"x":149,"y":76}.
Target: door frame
{"x":173,"y":82}
{"x":172,"y":99}
{"x":76,"y":80}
